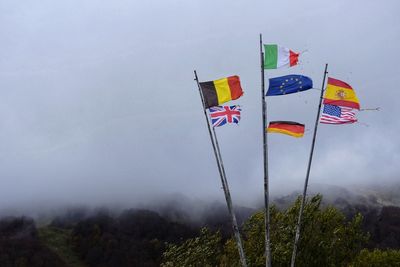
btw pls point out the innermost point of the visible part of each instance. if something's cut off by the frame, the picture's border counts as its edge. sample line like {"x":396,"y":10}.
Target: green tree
{"x":202,"y":251}
{"x":377,"y":258}
{"x":327,"y":239}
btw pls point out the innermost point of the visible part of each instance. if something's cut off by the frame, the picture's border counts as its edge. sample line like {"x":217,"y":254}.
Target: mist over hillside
{"x":138,"y":237}
{"x":179,"y":207}
{"x":100,"y":107}
{"x":339,"y":196}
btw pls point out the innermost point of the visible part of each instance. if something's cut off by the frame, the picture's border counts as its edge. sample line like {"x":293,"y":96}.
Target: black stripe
{"x":209,"y":93}
{"x":287,"y":122}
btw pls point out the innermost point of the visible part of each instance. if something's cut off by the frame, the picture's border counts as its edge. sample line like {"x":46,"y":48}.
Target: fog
{"x":99,"y":106}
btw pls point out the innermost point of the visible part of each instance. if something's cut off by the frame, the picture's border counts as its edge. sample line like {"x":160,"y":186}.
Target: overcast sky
{"x":98,"y":103}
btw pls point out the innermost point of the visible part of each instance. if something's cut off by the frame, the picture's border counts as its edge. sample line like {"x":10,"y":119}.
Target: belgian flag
{"x":286,"y":127}
{"x":221,"y":91}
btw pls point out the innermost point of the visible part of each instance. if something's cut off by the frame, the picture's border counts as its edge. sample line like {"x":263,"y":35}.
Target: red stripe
{"x":288,"y":127}
{"x":234,"y":85}
{"x":342,"y":103}
{"x":336,"y":121}
{"x":339,"y":83}
{"x":294,"y":58}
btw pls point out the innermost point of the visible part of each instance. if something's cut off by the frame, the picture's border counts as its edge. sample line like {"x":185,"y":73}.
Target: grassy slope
{"x":57,"y":240}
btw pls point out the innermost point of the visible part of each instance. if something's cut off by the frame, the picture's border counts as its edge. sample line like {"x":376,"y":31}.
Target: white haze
{"x":98,"y":103}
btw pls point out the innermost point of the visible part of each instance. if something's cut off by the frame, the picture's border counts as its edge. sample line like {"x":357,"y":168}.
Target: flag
{"x":339,"y":93}
{"x":288,"y":84}
{"x":220,"y":115}
{"x":337,"y":115}
{"x":221,"y":91}
{"x":286,"y":127}
{"x":278,"y":57}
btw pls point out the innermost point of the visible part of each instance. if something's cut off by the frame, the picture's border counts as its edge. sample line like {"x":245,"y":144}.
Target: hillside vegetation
{"x":353,"y":236}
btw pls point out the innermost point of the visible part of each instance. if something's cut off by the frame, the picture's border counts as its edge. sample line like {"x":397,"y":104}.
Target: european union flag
{"x":288,"y":84}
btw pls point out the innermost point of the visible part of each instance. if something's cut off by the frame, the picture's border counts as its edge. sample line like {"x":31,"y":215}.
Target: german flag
{"x":339,"y":93}
{"x":286,"y":127}
{"x":221,"y":91}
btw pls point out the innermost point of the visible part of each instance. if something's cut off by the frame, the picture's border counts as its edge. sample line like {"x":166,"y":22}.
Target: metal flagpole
{"x":265,"y":154}
{"x":298,"y":226}
{"x":221,"y":169}
{"x":230,"y":207}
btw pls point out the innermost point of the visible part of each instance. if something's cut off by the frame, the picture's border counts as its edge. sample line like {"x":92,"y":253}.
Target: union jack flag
{"x":221,"y":115}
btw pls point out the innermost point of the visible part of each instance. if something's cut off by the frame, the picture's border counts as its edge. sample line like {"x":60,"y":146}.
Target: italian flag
{"x":279,"y":57}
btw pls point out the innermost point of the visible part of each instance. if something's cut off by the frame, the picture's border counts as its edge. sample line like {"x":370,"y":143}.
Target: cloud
{"x":99,"y":103}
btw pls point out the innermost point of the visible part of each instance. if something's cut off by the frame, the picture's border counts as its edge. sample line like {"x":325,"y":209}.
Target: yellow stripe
{"x":273,"y":130}
{"x":223,"y":90}
{"x":340,"y":93}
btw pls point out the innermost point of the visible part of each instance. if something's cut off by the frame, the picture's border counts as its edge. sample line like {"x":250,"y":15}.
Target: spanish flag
{"x":220,"y":91}
{"x":286,"y":127}
{"x":339,"y":93}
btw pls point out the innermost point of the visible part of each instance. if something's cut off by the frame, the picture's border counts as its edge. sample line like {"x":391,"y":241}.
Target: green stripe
{"x":271,"y":56}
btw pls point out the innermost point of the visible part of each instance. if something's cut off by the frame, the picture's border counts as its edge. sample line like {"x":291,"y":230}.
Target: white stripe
{"x":335,"y":120}
{"x":283,"y":57}
{"x":329,"y":120}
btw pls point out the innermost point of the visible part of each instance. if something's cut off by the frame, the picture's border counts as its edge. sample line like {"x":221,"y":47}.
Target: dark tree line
{"x":135,"y":238}
{"x":141,"y":237}
{"x":21,"y":247}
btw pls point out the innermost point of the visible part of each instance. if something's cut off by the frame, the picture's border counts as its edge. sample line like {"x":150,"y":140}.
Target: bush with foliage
{"x":327,"y":239}
{"x":377,"y":258}
{"x":205,"y":251}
